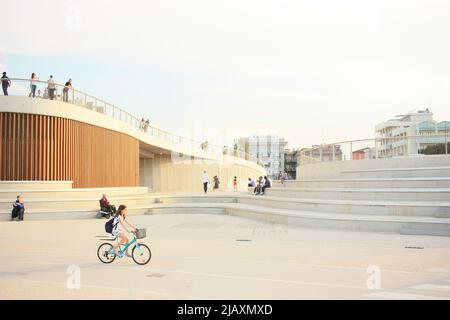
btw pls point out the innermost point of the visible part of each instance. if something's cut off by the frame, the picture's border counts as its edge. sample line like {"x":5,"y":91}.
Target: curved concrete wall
{"x":162,"y":174}
{"x":157,"y":170}
{"x":335,"y":169}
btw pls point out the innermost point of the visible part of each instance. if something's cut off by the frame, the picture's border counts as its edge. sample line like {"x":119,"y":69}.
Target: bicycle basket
{"x":140,"y":234}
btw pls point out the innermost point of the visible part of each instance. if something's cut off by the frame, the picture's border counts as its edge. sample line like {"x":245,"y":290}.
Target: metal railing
{"x":380,"y":147}
{"x":59,"y":92}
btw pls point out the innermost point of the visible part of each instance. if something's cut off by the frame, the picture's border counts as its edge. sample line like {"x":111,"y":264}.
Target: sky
{"x":310,"y":71}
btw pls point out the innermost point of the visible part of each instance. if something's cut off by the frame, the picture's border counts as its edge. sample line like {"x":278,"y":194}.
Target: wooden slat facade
{"x":37,"y":147}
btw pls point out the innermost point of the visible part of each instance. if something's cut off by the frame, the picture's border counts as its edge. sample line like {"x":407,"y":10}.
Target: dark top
{"x":5,"y":80}
{"x":67,"y":85}
{"x":17,"y":204}
{"x":104,"y":202}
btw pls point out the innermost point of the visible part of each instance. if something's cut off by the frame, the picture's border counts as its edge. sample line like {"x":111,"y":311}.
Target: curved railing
{"x":380,"y":147}
{"x":73,"y":96}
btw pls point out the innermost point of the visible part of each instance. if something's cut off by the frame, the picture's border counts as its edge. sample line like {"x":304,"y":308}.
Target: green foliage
{"x":438,"y":148}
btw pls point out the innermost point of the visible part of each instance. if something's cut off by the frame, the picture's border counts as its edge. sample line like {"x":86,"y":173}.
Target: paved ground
{"x":200,"y":257}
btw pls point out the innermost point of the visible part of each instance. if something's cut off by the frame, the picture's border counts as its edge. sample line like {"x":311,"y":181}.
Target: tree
{"x":438,"y":148}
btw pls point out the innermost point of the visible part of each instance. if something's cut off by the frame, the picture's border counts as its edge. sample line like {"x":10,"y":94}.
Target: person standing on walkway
{"x":205,"y":181}
{"x":235,"y":183}
{"x":142,"y":124}
{"x":51,"y":88}
{"x":5,"y":83}
{"x":66,"y":89}
{"x":33,"y":85}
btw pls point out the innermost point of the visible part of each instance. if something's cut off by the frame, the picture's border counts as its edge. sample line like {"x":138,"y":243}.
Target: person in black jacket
{"x":267,"y":184}
{"x":18,"y":209}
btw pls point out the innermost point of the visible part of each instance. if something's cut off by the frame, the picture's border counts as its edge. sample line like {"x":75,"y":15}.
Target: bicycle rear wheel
{"x":141,"y":254}
{"x":106,"y":253}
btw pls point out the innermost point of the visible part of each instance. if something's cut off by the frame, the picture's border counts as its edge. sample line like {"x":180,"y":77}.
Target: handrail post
{"x":351,"y":150}
{"x":446,"y":147}
{"x":376,"y":149}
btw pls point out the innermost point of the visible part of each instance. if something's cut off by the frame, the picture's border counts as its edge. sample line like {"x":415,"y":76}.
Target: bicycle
{"x":140,"y":253}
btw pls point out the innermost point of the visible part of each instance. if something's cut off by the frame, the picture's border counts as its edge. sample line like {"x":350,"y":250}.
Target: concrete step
{"x":196,"y":199}
{"x":364,"y":207}
{"x":66,"y":214}
{"x":399,"y":172}
{"x":71,"y":193}
{"x":419,"y":182}
{"x":314,"y":219}
{"x":35,"y":185}
{"x":389,"y":194}
{"x":86,"y":203}
{"x":299,"y":218}
{"x":188,"y":208}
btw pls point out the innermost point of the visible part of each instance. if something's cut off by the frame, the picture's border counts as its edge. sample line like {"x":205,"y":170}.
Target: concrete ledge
{"x":398,"y":169}
{"x":379,"y":194}
{"x":399,"y":172}
{"x":415,"y":182}
{"x":35,"y":185}
{"x":366,"y":207}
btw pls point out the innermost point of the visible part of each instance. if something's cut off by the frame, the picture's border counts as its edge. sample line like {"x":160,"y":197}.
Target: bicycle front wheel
{"x":106,"y":253}
{"x":141,"y":254}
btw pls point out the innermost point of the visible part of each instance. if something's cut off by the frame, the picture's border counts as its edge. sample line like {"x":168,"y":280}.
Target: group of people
{"x":216,"y":182}
{"x":261,"y":185}
{"x":283,"y":176}
{"x":50,"y":91}
{"x":143,"y":126}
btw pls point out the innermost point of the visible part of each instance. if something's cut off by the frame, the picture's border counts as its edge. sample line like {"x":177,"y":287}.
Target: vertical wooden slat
{"x":38,"y":147}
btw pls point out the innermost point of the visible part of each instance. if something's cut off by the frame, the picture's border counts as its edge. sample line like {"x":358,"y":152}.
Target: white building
{"x":267,"y":150}
{"x":410,"y":133}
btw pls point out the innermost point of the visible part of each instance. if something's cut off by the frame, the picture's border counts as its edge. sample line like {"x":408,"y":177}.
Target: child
{"x":216,"y":183}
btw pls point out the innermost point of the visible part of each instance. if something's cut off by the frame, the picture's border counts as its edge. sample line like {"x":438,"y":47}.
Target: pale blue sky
{"x":311,"y":71}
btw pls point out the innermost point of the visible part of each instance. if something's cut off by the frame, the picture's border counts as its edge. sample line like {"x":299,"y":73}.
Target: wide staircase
{"x":400,"y":200}
{"x":58,"y":200}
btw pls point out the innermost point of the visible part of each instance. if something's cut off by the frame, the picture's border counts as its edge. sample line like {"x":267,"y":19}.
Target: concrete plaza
{"x":197,"y":256}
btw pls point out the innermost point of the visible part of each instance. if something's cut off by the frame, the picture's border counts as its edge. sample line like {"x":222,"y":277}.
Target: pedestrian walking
{"x":205,"y":181}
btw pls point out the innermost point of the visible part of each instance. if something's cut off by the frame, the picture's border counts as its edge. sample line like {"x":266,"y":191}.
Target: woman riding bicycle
{"x":120,"y":228}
